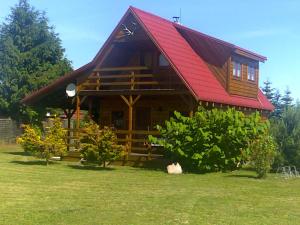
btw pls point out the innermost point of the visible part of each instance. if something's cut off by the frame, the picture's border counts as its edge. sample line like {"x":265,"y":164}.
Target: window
{"x":146,"y":59}
{"x":251,"y":73}
{"x":237,"y":67}
{"x":163,"y":61}
{"x":117,"y":119}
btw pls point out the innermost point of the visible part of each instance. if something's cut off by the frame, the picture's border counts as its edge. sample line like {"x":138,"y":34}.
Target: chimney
{"x":176,"y":19}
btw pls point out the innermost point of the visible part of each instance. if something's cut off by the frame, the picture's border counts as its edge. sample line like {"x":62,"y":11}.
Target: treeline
{"x":285,"y":125}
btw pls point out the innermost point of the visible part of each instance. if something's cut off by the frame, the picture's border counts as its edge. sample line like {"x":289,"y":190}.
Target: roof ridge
{"x":220,"y":41}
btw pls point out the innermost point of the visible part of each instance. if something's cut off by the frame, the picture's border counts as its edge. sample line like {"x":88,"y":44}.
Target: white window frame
{"x":237,"y":69}
{"x":251,"y":73}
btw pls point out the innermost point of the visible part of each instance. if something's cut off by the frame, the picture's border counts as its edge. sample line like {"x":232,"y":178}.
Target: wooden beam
{"x":121,"y":76}
{"x":121,"y":69}
{"x":136,"y":99}
{"x":125,"y":100}
{"x":133,"y":92}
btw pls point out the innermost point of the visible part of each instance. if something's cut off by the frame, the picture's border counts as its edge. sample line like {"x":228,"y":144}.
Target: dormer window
{"x":251,"y":73}
{"x":162,"y":61}
{"x":237,"y":68}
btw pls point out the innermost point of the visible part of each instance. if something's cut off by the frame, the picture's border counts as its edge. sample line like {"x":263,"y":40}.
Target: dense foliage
{"x":286,"y":131}
{"x":30,"y":57}
{"x":211,"y":140}
{"x":52,"y":143}
{"x":285,"y":126}
{"x":31,"y":139}
{"x":262,"y":154}
{"x":99,"y":145}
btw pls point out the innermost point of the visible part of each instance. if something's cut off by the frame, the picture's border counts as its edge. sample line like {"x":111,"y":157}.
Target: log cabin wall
{"x":242,"y":85}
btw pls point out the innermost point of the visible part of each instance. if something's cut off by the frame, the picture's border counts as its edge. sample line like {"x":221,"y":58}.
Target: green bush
{"x":211,"y":140}
{"x":262,"y":153}
{"x":99,"y":145}
{"x":286,"y":132}
{"x":44,"y":147}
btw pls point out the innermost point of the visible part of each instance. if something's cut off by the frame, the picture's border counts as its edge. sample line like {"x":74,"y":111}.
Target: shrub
{"x":54,"y":142}
{"x":44,"y":147}
{"x":286,"y":132}
{"x":30,"y":140}
{"x":99,"y":145}
{"x":211,"y":140}
{"x":262,"y":153}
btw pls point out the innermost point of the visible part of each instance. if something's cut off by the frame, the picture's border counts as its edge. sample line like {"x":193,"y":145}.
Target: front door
{"x":143,"y":118}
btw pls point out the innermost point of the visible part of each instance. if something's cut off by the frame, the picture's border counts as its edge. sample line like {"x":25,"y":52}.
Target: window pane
{"x":237,"y":69}
{"x":251,"y":73}
{"x":163,"y":61}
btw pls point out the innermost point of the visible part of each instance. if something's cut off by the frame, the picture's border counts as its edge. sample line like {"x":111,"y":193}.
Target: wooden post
{"x":98,"y":81}
{"x":130,"y":122}
{"x":69,"y":113}
{"x":130,"y":103}
{"x":69,"y":127}
{"x":77,"y":112}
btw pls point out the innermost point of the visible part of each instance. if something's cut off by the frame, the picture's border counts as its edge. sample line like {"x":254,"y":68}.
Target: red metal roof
{"x":186,"y":62}
{"x":189,"y":65}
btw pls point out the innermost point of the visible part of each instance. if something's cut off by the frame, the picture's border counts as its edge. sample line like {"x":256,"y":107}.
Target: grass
{"x":66,"y":193}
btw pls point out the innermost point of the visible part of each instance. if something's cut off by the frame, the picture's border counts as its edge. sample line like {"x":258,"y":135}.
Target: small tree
{"x":31,"y":140}
{"x":262,"y":154}
{"x":54,"y":143}
{"x":44,"y":147}
{"x":99,"y":145}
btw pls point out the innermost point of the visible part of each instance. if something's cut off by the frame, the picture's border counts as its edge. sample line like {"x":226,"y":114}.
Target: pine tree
{"x":31,"y":56}
{"x":276,"y":101}
{"x":287,"y":100}
{"x":268,"y":90}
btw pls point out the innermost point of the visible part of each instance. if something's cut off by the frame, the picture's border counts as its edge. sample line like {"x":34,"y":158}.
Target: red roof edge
{"x":61,"y":80}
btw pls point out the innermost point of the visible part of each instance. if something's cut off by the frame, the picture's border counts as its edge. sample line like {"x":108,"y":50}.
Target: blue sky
{"x":269,"y":27}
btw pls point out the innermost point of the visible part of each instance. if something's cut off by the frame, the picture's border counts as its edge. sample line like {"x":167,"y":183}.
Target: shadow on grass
{"x":19,"y":153}
{"x":90,"y":167}
{"x":32,"y":162}
{"x":242,"y":176}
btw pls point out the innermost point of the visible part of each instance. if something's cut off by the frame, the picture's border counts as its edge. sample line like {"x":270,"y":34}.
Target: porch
{"x":132,"y":100}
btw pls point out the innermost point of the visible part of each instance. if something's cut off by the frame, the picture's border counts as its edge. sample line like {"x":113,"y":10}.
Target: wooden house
{"x":149,"y":67}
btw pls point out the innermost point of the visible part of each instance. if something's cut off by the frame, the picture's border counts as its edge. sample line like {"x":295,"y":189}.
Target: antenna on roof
{"x":180,"y":17}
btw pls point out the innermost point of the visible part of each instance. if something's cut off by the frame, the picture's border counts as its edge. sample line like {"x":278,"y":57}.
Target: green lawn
{"x":65,"y":193}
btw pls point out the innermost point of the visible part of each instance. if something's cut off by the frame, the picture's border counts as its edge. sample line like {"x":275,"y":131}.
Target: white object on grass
{"x":174,"y":169}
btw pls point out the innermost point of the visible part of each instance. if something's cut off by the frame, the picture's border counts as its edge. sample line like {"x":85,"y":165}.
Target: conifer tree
{"x":268,"y":90}
{"x":287,"y":100}
{"x":276,"y":101}
{"x":31,"y":56}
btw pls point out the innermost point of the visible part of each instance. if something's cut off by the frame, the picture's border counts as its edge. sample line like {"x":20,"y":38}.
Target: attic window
{"x":251,"y":73}
{"x":163,"y":61}
{"x":237,"y":67}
